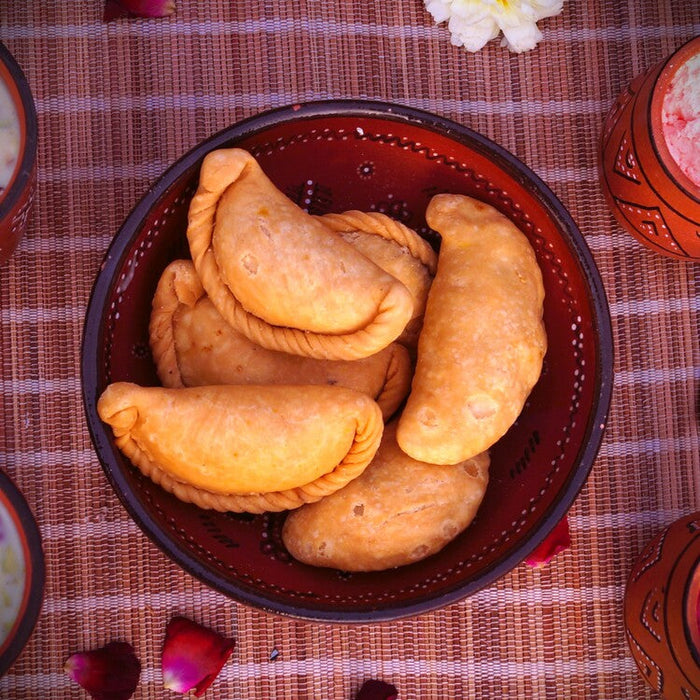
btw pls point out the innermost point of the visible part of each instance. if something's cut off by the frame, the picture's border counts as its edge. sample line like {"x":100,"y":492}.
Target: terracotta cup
{"x":661,"y":608}
{"x":649,"y":194}
{"x":17,"y":198}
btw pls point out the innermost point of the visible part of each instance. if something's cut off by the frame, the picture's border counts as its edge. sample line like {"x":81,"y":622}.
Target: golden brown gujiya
{"x":398,"y":250}
{"x":193,"y":345}
{"x":279,"y":275}
{"x":483,"y":341}
{"x":244,"y":448}
{"x":398,"y":511}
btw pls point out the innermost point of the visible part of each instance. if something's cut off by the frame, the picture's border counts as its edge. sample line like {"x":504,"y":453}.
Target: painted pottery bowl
{"x":18,"y":144}
{"x":335,"y":156}
{"x":21,"y":572}
{"x":662,"y":610}
{"x":650,"y":194}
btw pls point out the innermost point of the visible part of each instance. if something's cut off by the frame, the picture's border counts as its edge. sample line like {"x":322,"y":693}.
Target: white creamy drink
{"x":9,"y":137}
{"x":12,"y":574}
{"x":681,"y":118}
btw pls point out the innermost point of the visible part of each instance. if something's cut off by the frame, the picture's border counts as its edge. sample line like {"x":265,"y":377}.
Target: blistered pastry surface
{"x":242,"y":439}
{"x":396,"y":512}
{"x":279,"y":275}
{"x":193,"y":345}
{"x":483,"y":340}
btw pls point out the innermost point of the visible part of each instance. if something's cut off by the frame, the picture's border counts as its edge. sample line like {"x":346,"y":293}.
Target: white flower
{"x":472,"y":23}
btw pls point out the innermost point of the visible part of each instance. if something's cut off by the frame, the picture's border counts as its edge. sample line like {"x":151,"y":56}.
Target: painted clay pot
{"x":17,"y":198}
{"x":661,"y":608}
{"x":649,"y":194}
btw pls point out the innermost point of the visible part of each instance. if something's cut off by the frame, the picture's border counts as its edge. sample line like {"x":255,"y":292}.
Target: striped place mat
{"x":117,"y":103}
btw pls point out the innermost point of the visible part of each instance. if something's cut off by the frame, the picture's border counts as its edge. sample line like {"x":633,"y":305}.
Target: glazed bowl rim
{"x":120,"y":247}
{"x":23,"y":170}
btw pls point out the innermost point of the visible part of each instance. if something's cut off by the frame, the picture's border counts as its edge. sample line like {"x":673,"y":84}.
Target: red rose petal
{"x":192,"y":656}
{"x":137,"y":8}
{"x":557,"y":541}
{"x":109,"y":673}
{"x":377,"y":690}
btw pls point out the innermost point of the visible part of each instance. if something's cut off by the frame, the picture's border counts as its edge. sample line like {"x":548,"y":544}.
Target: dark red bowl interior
{"x":333,"y":156}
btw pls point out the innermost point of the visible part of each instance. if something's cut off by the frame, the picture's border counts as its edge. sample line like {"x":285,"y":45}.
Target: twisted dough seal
{"x":398,"y":250}
{"x":280,"y":276}
{"x":244,"y":448}
{"x":193,"y":345}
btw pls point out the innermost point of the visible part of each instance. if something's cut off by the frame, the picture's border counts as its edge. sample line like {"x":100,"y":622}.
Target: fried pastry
{"x":398,"y":250}
{"x":398,"y":511}
{"x":279,"y":275}
{"x":244,"y":448}
{"x":483,"y":340}
{"x":193,"y":345}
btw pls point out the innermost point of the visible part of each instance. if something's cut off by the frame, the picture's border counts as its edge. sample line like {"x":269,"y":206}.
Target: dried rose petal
{"x":557,"y":541}
{"x":137,"y":8}
{"x":377,"y":690}
{"x":109,"y":673}
{"x":192,"y":656}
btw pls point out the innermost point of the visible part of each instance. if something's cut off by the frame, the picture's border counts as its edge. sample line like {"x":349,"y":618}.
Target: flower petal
{"x":192,"y":655}
{"x":439,"y":9}
{"x":521,"y":37}
{"x":137,"y":8}
{"x":109,"y":673}
{"x":377,"y":690}
{"x":518,"y":22}
{"x":557,"y":541}
{"x":471,"y":11}
{"x":473,"y":23}
{"x":547,"y":8}
{"x":472,"y":36}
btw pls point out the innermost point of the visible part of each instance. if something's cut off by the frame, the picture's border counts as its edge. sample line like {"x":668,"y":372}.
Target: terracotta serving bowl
{"x":17,"y":198}
{"x":662,"y":610}
{"x":649,"y":194}
{"x":21,"y":552}
{"x":334,"y":156}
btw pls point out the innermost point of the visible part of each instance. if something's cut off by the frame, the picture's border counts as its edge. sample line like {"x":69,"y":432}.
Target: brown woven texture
{"x":117,"y":102}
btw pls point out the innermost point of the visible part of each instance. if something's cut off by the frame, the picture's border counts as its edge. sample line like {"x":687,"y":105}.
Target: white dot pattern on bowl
{"x":317,"y":198}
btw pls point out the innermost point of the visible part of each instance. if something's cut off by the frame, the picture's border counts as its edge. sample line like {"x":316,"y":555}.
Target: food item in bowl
{"x":240,"y":425}
{"x":483,"y":341}
{"x":680,"y":117}
{"x":244,"y":448}
{"x":398,"y":511}
{"x":193,"y":345}
{"x":279,"y":275}
{"x":9,"y":137}
{"x":12,"y":574}
{"x":398,"y":250}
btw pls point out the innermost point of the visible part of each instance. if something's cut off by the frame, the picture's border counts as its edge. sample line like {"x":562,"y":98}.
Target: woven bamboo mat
{"x":117,"y":102}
